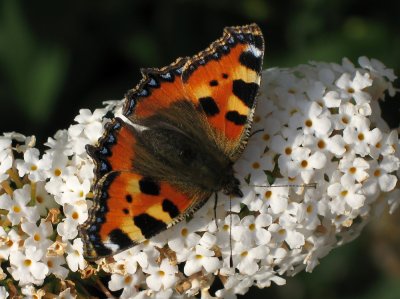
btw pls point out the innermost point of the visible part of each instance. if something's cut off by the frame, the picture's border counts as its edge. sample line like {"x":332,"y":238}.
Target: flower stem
{"x":14,"y":176}
{"x":6,"y":186}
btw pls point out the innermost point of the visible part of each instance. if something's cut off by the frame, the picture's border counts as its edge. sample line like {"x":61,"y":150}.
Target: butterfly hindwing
{"x":129,"y":209}
{"x":115,"y":149}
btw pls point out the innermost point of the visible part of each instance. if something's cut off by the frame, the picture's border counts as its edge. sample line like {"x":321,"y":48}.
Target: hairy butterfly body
{"x":188,"y":123}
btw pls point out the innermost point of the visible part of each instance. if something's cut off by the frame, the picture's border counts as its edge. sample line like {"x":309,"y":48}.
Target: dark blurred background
{"x":57,"y":57}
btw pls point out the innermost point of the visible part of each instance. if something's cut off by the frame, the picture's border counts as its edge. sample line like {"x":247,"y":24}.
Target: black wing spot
{"x":249,"y":60}
{"x":225,"y":76}
{"x":128,"y":198}
{"x":169,"y":207}
{"x":236,"y":118}
{"x":213,"y":83}
{"x":246,"y":92}
{"x":149,"y":186}
{"x":126,"y":211}
{"x":209,"y":106}
{"x":148,"y":225}
{"x":118,"y":237}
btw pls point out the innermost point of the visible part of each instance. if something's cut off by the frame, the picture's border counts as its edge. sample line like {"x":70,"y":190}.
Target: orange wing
{"x":224,"y":80}
{"x":221,"y":81}
{"x":128,"y":207}
{"x":158,"y":89}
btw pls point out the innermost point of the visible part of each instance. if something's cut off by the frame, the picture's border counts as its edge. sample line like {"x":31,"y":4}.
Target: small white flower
{"x":345,"y":192}
{"x":305,"y":163}
{"x":17,"y":206}
{"x":75,"y":258}
{"x":354,"y":168}
{"x":43,"y":200}
{"x":74,"y":190}
{"x":377,"y":68}
{"x":162,"y":276}
{"x":33,"y":166}
{"x":312,"y":119}
{"x":201,"y":258}
{"x":68,"y":228}
{"x":8,"y":242}
{"x":354,"y":88}
{"x":359,"y":135}
{"x":266,"y":275}
{"x":129,"y":282}
{"x":185,"y":238}
{"x":77,"y":212}
{"x":60,"y":144}
{"x":381,"y":173}
{"x":27,"y":267}
{"x":246,"y":259}
{"x":6,"y":161}
{"x":38,"y":235}
{"x":54,"y":264}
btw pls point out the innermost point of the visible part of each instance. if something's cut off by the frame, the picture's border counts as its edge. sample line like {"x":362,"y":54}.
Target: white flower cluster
{"x":317,"y":124}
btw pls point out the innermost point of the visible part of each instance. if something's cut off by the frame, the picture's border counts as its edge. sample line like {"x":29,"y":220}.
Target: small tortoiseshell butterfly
{"x":189,"y":123}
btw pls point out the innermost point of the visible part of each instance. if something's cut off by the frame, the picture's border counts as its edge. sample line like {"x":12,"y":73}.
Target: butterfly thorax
{"x":177,"y":146}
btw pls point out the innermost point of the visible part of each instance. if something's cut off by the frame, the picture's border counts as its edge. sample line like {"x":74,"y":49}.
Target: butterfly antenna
{"x":310,"y":185}
{"x":230,"y":233}
{"x":215,"y":208}
{"x":255,"y":132}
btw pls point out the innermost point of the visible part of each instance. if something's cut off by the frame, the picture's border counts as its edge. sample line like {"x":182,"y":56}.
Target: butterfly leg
{"x":215,"y":208}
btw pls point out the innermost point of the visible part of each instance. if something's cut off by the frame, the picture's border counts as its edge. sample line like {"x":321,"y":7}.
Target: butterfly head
{"x":232,"y":187}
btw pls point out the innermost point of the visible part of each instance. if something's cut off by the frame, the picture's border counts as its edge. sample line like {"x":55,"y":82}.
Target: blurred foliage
{"x":59,"y":56}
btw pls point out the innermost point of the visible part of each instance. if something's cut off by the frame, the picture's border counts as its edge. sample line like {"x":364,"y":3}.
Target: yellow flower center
{"x":184,"y":232}
{"x":128,"y":279}
{"x":377,"y":172}
{"x":308,"y":123}
{"x":27,"y":262}
{"x":321,"y":144}
{"x":266,"y":137}
{"x":268,"y":194}
{"x":16,"y":209}
{"x":57,"y":172}
{"x":256,"y":165}
{"x":39,"y":199}
{"x":75,"y":215}
{"x":352,"y":170}
{"x":304,"y":163}
{"x":252,"y":227}
{"x":344,"y":193}
{"x":36,"y":237}
{"x":33,"y":167}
